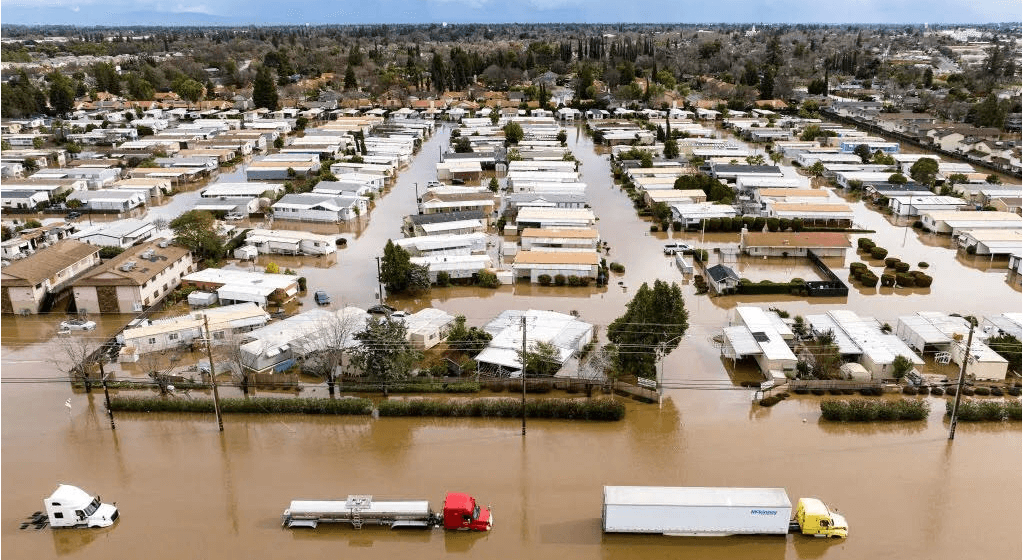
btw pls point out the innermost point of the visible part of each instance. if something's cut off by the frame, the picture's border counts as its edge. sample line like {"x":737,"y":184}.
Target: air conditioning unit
{"x":164,"y":244}
{"x":128,"y":266}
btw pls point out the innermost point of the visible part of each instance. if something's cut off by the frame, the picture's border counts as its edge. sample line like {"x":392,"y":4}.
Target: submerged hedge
{"x":428,"y":387}
{"x":986,"y":411}
{"x":256,"y":405}
{"x":863,"y":410}
{"x":569,"y":409}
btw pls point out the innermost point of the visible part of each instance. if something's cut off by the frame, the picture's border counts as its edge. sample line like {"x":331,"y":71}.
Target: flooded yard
{"x":183,"y":488}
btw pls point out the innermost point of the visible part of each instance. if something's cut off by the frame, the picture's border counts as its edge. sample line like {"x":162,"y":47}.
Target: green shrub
{"x":559,"y":279}
{"x":255,"y":405}
{"x":653,"y":228}
{"x":862,"y":410}
{"x":443,"y":279}
{"x":909,"y":390}
{"x":902,"y":267}
{"x":569,"y":409}
{"x":887,"y":280}
{"x":772,"y":224}
{"x":487,"y":279}
{"x":937,"y":391}
{"x":869,"y":279}
{"x":985,"y":411}
{"x":918,"y":224}
{"x":922,"y":280}
{"x":922,"y":264}
{"x":878,"y":252}
{"x":982,"y":391}
{"x":770,"y":401}
{"x":544,"y":279}
{"x":905,"y":280}
{"x":676,"y":225}
{"x":890,"y":262}
{"x":617,"y":267}
{"x":865,"y":244}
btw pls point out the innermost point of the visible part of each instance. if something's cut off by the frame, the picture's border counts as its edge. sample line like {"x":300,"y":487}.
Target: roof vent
{"x":128,"y":266}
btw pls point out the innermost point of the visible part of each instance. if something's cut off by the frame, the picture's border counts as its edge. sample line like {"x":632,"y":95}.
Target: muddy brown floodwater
{"x":186,"y":490}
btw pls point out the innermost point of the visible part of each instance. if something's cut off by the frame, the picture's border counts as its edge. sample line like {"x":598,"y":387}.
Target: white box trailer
{"x":696,"y":511}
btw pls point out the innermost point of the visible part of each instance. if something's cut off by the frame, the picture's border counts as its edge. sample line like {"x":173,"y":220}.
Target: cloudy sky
{"x":232,"y":12}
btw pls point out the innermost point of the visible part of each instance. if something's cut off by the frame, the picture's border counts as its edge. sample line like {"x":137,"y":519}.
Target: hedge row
{"x":862,"y":410}
{"x":368,"y":387}
{"x":990,"y":411}
{"x":256,"y":405}
{"x":571,"y":409}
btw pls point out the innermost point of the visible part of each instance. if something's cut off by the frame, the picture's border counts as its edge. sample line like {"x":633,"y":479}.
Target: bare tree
{"x":328,"y":350}
{"x":231,"y":351}
{"x":78,"y":356}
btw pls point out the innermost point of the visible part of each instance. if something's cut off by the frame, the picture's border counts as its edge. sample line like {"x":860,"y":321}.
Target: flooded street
{"x":186,"y":490}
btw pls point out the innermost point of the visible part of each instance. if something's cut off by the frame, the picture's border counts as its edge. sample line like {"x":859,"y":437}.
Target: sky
{"x":267,"y":12}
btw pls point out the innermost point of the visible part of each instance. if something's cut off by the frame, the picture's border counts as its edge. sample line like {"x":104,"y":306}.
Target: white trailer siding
{"x":695,"y":511}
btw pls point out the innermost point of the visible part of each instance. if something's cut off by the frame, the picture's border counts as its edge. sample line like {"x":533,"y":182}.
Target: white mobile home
{"x":320,"y":207}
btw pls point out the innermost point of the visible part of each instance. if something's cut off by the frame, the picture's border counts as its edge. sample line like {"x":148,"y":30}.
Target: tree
{"x":901,"y":365}
{"x":62,"y":94}
{"x":671,"y":150}
{"x":814,"y":132}
{"x":350,"y":82}
{"x":817,"y":169}
{"x":384,"y":351}
{"x":190,"y":90}
{"x":470,"y":341}
{"x":398,"y":273}
{"x":334,"y":338}
{"x":463,"y":146}
{"x":653,"y":325}
{"x":78,"y":356}
{"x":264,"y":89}
{"x":512,"y":133}
{"x":897,"y":179}
{"x":863,"y":151}
{"x":493,"y":185}
{"x":924,"y":171}
{"x":992,"y":179}
{"x":541,"y":360}
{"x":197,"y":230}
{"x":1008,"y":347}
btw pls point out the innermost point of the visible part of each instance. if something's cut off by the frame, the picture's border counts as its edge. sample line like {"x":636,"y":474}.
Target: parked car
{"x":399,"y":314}
{"x":321,"y":297}
{"x":77,"y":325}
{"x":234,"y":216}
{"x":381,"y":309}
{"x":74,"y":215}
{"x":675,"y":247}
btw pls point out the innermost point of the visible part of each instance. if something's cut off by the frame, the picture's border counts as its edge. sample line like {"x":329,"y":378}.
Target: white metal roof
{"x":696,"y":496}
{"x":563,"y":331}
{"x":451,"y":226}
{"x":864,"y":336}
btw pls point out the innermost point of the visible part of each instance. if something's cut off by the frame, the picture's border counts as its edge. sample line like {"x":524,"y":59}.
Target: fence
{"x":833,"y":286}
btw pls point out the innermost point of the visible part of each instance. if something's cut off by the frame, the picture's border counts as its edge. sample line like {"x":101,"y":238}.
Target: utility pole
{"x":523,"y":375}
{"x":962,"y":377}
{"x":106,"y":395}
{"x":213,"y":374}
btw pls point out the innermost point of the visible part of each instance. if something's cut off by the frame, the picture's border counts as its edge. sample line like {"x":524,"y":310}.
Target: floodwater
{"x":186,"y":490}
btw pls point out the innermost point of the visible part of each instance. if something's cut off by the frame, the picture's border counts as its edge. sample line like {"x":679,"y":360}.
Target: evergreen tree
{"x":652,"y":326}
{"x":62,"y":94}
{"x":264,"y":90}
{"x":350,"y":82}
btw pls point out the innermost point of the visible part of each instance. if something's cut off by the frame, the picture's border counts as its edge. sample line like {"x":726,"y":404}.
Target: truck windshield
{"x":92,"y":508}
{"x":476,"y":512}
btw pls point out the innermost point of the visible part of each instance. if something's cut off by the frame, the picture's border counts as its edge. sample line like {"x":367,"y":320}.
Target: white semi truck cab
{"x":70,"y":506}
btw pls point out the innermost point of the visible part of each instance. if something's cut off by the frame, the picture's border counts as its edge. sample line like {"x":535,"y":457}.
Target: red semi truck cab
{"x":462,"y":513}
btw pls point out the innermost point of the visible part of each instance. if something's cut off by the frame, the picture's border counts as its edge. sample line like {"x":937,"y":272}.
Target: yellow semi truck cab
{"x":816,"y":519}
